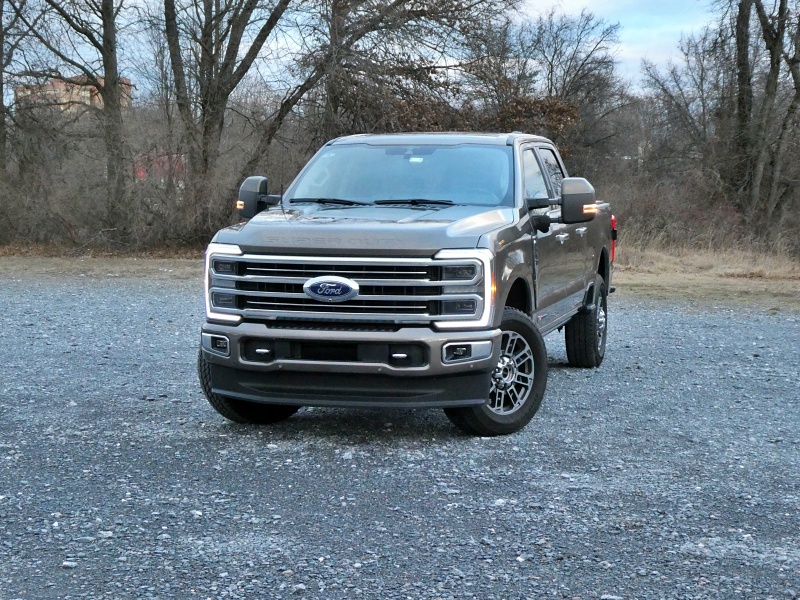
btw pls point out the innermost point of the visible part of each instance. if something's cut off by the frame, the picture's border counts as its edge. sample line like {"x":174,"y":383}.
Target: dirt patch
{"x":773,"y":294}
{"x":767,"y":281}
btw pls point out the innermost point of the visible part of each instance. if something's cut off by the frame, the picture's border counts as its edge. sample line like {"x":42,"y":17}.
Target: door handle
{"x":562,"y":237}
{"x":581,"y":231}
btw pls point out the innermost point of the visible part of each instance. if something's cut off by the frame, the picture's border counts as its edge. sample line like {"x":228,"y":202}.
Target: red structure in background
{"x":161,"y":166}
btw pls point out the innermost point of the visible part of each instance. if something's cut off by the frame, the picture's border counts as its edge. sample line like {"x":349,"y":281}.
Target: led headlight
{"x":218,"y":263}
{"x":224,"y":267}
{"x":459,"y":272}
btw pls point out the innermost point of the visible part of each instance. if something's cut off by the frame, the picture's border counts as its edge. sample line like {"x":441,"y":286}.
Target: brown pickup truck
{"x":408,"y":270}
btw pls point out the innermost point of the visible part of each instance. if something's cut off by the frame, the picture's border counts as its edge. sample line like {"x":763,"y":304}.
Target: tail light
{"x":613,"y":237}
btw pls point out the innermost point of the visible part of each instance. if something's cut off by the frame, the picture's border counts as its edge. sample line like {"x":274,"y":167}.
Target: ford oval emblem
{"x":331,"y":289}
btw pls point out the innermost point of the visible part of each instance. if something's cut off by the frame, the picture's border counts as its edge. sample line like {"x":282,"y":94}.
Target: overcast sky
{"x":650,"y":28}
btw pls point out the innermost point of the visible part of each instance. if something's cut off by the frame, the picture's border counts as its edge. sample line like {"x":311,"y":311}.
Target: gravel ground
{"x":673,"y":471}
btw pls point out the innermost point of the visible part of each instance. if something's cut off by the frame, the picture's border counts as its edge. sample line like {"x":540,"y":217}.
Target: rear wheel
{"x":585,"y":334}
{"x":518,"y":382}
{"x":240,"y":411}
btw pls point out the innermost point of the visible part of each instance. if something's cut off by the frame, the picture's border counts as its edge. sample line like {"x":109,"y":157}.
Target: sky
{"x":649,"y":28}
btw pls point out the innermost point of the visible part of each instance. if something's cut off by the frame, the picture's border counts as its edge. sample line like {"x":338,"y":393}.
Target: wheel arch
{"x":518,"y":297}
{"x":603,"y":269}
{"x":604,"y":266}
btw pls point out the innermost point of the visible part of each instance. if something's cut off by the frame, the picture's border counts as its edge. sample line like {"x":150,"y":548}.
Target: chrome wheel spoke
{"x":524,"y":355}
{"x":512,"y":379}
{"x":525,"y":379}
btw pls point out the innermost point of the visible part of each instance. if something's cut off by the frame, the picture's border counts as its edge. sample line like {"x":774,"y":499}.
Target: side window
{"x":553,"y":168}
{"x":535,"y":187}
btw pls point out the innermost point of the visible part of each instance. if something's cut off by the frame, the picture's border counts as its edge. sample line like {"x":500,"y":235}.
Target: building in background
{"x":70,"y":95}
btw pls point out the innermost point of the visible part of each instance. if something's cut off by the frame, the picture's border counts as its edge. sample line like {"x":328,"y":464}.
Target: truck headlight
{"x":224,"y":267}
{"x":459,"y":272}
{"x":467,"y":288}
{"x":217,"y":264}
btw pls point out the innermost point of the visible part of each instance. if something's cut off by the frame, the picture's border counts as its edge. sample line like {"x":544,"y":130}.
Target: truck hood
{"x":365,"y":230}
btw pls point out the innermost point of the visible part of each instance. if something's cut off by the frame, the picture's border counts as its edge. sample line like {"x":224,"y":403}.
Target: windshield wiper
{"x":341,"y":201}
{"x":415,"y":201}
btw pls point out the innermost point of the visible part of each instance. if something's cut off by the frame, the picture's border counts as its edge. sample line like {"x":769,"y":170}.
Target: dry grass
{"x":735,"y":276}
{"x":770,"y":282}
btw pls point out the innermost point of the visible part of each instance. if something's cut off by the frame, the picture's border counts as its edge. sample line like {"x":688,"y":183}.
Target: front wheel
{"x":240,"y":411}
{"x":517,"y":385}
{"x":585,"y":334}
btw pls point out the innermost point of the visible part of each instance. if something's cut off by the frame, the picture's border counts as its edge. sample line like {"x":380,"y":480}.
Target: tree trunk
{"x":773,"y":35}
{"x":333,"y":84}
{"x":744,"y":95}
{"x":4,"y":59}
{"x":783,"y":152}
{"x":117,"y":163}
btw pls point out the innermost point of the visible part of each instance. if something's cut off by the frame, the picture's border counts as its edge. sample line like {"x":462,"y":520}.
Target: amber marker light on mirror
{"x":590,"y":209}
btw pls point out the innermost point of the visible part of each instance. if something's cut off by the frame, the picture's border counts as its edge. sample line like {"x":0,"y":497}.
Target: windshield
{"x":464,"y":174}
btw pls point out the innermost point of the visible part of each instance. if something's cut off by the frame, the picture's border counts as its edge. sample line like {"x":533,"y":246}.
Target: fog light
{"x":466,"y":351}
{"x":216,"y":344}
{"x":456,"y":352}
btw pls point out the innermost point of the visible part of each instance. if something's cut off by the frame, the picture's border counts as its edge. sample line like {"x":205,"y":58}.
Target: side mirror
{"x":253,"y":197}
{"x":578,"y":200}
{"x":534,"y":203}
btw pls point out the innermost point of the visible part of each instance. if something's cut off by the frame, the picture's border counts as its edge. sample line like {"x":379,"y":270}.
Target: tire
{"x":518,"y":382}
{"x":240,"y":411}
{"x":586,"y":333}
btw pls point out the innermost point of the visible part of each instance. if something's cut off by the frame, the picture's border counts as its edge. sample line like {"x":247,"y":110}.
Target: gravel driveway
{"x":673,"y":471}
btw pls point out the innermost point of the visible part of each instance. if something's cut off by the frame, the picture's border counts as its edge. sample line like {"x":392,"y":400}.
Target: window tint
{"x":535,"y":186}
{"x":552,"y":166}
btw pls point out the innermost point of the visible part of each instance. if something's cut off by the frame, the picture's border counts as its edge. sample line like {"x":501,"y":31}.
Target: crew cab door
{"x":551,"y":269}
{"x":573,"y":239}
{"x":559,"y":251}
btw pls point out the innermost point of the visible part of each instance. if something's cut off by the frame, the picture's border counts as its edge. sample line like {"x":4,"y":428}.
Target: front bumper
{"x":412,"y":367}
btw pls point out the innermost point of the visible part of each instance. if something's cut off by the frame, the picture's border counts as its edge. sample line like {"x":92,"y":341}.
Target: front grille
{"x":351,"y":307}
{"x":391,"y":291}
{"x":366,"y":290}
{"x":353,"y":271}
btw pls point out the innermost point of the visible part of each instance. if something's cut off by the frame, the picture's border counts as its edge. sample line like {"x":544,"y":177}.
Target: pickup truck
{"x":407,"y":270}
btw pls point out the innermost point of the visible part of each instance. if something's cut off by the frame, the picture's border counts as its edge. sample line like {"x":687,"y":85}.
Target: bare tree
{"x":787,"y":146}
{"x":773,"y":29}
{"x":215,"y":44}
{"x":729,"y":112}
{"x":690,"y":92}
{"x":80,"y":36}
{"x":13,"y":34}
{"x":744,"y":92}
{"x":554,"y":75}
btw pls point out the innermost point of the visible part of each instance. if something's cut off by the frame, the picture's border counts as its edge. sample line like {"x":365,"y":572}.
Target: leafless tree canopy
{"x":128,"y":125}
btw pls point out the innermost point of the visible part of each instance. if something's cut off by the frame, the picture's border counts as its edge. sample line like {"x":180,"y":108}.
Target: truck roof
{"x":440,"y":139}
